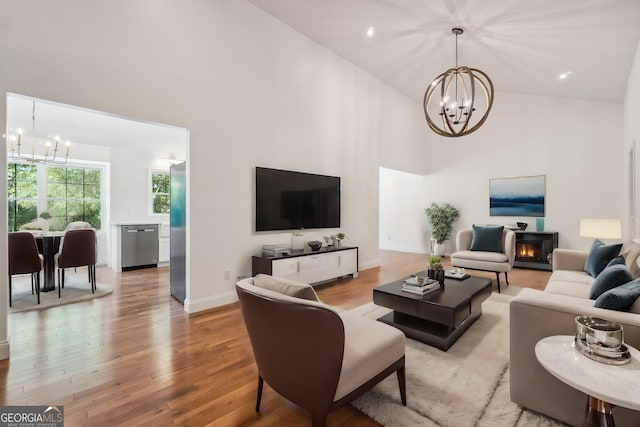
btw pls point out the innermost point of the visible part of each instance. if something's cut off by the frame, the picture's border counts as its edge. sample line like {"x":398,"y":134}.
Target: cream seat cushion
{"x":482,"y":256}
{"x":365,"y":339}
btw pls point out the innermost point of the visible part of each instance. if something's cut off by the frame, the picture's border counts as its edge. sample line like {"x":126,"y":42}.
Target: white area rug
{"x":76,"y":289}
{"x":465,"y":386}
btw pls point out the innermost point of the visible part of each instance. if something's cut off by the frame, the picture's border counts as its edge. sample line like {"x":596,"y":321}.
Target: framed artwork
{"x":519,"y":196}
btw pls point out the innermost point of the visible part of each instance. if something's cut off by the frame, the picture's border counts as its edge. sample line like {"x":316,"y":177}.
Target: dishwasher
{"x":139,"y":246}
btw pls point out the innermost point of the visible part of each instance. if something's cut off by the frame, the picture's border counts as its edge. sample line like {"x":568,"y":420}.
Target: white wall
{"x":251,"y":91}
{"x":631,"y":225}
{"x":403,"y":224}
{"x":577,"y":144}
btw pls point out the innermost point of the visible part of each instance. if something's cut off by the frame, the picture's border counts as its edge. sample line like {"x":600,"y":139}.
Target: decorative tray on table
{"x":451,"y":274}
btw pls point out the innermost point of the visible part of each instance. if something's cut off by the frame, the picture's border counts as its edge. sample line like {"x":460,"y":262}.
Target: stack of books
{"x":413,"y":286}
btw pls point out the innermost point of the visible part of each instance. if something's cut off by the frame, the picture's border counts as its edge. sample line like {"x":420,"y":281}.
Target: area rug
{"x":465,"y":386}
{"x":76,"y":289}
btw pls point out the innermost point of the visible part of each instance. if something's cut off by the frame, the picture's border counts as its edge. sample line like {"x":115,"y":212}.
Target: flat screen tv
{"x":287,"y":200}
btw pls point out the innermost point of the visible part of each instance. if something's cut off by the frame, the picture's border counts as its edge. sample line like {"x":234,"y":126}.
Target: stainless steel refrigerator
{"x":178,"y":233}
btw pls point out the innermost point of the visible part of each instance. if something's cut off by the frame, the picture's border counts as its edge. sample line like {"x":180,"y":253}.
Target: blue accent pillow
{"x":619,"y":260}
{"x":610,"y":278}
{"x":620,"y":298}
{"x":599,"y":256}
{"x":487,"y":238}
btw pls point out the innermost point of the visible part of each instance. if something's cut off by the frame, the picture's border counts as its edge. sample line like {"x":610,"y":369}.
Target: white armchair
{"x":486,"y":261}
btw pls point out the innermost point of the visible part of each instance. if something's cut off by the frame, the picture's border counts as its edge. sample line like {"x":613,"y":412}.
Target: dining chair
{"x":77,"y":249}
{"x":24,"y":258}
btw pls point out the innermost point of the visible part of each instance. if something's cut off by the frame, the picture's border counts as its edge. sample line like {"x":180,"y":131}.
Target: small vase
{"x":439,"y":276}
{"x":431,"y":273}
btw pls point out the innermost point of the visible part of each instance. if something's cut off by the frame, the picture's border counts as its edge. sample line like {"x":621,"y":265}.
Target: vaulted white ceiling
{"x":523,"y":45}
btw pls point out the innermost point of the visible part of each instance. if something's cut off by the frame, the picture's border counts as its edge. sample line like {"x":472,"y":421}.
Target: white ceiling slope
{"x":523,"y":45}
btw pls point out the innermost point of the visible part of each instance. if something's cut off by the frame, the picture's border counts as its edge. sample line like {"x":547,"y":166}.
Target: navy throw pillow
{"x":610,"y":278}
{"x":599,"y":256}
{"x":620,"y":298}
{"x":487,"y":238}
{"x":619,"y":260}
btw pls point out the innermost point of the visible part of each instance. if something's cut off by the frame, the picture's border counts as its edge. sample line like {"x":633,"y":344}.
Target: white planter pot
{"x":440,"y":249}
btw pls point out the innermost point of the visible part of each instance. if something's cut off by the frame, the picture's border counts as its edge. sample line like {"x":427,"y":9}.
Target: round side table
{"x":606,"y":385}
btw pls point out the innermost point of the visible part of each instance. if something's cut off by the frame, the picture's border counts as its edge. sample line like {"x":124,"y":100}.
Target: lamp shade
{"x":601,"y":228}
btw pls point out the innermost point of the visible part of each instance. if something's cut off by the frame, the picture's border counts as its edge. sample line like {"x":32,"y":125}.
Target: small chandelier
{"x":452,"y":98}
{"x":51,"y":149}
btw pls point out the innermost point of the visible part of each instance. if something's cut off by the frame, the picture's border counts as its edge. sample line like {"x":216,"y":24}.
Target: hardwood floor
{"x":136,"y":358}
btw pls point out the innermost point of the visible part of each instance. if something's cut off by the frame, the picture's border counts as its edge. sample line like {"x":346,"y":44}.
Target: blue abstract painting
{"x":520,"y":196}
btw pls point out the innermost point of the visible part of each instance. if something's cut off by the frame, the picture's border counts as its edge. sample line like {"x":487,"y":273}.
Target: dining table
{"x":48,"y":245}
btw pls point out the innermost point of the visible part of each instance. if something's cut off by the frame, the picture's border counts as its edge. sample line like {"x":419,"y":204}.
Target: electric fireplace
{"x":534,"y":249}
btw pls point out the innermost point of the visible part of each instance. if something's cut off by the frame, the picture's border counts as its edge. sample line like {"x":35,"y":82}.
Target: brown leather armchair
{"x":24,"y":258}
{"x":77,"y":249}
{"x":314,"y":356}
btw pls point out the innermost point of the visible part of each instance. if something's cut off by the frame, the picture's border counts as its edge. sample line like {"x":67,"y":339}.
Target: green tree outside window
{"x":69,"y":194}
{"x":22,"y":192}
{"x":160,"y":184}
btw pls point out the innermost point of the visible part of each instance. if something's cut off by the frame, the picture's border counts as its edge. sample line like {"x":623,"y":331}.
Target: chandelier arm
{"x":445,"y":92}
{"x":489,"y":104}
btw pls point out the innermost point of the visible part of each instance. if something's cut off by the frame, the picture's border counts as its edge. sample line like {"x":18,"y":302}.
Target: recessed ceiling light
{"x":371,"y":31}
{"x":564,"y":75}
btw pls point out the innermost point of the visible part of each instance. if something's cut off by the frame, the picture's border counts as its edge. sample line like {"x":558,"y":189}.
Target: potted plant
{"x":435,"y":270}
{"x":435,"y":262}
{"x":441,"y":217}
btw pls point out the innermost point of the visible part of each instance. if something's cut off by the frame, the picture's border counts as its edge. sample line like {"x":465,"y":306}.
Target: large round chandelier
{"x":451,"y":100}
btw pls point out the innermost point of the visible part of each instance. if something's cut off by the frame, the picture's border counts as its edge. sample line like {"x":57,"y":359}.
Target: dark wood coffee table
{"x":438,"y":318}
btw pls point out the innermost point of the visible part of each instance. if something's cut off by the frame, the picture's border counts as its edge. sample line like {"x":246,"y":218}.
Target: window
{"x":73,"y":194}
{"x":22,"y":194}
{"x":67,"y":194}
{"x":160,"y":198}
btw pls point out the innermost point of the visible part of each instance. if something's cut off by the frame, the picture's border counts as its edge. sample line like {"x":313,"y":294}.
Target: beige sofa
{"x":537,"y":314}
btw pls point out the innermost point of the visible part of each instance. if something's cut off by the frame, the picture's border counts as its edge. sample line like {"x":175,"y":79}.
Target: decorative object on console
{"x":539,"y":224}
{"x":50,"y":155}
{"x":335,"y":240}
{"x":522,"y":225}
{"x":441,"y":217}
{"x":315,"y":245}
{"x":517,"y":196}
{"x":452,"y":98}
{"x":297,"y":242}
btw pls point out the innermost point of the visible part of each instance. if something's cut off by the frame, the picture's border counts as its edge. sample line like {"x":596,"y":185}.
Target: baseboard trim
{"x":369,"y":264}
{"x":4,"y":350}
{"x":209,"y":302}
{"x":397,"y":248}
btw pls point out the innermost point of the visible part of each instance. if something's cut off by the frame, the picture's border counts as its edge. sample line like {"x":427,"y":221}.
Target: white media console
{"x":309,"y":266}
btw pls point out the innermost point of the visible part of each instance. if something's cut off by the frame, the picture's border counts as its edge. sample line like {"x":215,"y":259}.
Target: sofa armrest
{"x":569,"y":259}
{"x":535,"y":315}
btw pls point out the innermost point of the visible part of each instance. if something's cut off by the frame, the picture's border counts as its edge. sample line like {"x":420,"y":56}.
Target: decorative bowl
{"x":315,"y":245}
{"x":601,"y":340}
{"x":522,"y":225}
